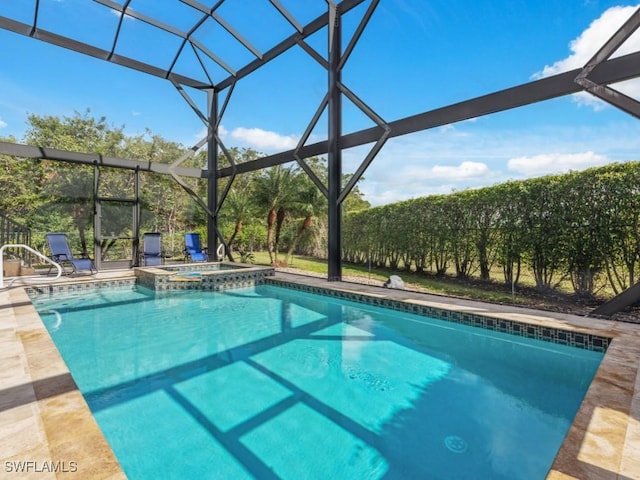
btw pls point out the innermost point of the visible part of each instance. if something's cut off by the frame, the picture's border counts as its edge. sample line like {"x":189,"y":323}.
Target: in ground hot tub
{"x":202,"y":276}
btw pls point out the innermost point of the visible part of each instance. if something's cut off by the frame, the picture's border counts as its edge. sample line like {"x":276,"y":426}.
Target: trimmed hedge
{"x":583,"y":226}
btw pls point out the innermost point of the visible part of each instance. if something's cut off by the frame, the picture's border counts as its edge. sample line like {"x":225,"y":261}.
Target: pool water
{"x":203,"y":267}
{"x":265,"y":382}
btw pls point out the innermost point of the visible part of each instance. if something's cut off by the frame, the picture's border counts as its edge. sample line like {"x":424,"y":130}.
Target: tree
{"x":309,"y":202}
{"x":69,"y":189}
{"x":273,"y":190}
{"x":238,"y":208}
{"x":165,"y":206}
{"x":511,"y":233}
{"x":459,"y":222}
{"x":60,"y":196}
{"x":542,"y":218}
{"x":622,"y":214}
{"x":21,"y":181}
{"x":482,"y":213}
{"x":585,"y":233}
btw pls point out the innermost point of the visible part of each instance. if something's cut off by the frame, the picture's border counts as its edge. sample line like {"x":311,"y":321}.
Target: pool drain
{"x":455,"y":444}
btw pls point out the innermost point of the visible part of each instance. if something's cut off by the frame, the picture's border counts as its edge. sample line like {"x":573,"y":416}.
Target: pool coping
{"x":46,"y":428}
{"x":44,"y":418}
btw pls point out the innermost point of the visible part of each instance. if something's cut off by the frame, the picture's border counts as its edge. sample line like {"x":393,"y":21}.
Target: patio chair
{"x":61,"y":253}
{"x":152,"y":249}
{"x":193,"y":251}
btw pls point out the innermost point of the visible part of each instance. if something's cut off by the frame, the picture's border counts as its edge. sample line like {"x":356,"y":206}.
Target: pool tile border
{"x":34,"y":291}
{"x":584,"y":340}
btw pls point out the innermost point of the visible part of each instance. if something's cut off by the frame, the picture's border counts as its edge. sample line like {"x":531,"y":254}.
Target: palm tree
{"x":309,"y":202}
{"x":273,"y":190}
{"x":238,"y":208}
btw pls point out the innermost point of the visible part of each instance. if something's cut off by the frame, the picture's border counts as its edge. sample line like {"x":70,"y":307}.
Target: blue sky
{"x":414,"y":56}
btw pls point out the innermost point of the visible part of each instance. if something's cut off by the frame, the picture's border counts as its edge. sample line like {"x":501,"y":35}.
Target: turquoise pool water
{"x":266,"y":382}
{"x":205,"y":267}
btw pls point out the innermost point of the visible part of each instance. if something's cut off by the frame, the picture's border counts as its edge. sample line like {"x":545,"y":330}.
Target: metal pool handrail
{"x":35,"y":252}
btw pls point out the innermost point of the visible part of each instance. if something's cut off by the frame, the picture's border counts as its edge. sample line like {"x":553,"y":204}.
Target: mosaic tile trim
{"x":563,"y":337}
{"x":79,"y":287}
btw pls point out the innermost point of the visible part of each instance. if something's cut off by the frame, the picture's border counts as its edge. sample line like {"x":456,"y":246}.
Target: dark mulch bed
{"x":552,"y":300}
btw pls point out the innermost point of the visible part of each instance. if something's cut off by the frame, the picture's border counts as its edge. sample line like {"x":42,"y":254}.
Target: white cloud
{"x":264,"y":139}
{"x":555,"y":163}
{"x":3,"y":124}
{"x":204,"y":131}
{"x":378,"y":197}
{"x":464,"y":171}
{"x":118,"y":14}
{"x":588,"y":43}
{"x":450,"y":130}
{"x":379,"y":193}
{"x":593,"y":38}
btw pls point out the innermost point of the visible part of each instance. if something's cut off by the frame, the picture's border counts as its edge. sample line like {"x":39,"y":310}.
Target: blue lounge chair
{"x":193,"y":251}
{"x":152,"y":249}
{"x":61,"y":253}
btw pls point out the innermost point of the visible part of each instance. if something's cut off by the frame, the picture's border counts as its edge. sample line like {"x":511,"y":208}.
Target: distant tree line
{"x":581,"y":226}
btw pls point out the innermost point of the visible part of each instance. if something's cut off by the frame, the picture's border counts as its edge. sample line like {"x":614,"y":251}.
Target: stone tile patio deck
{"x":45,"y":421}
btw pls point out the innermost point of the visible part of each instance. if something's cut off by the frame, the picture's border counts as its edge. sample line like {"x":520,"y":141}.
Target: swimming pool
{"x":265,"y":382}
